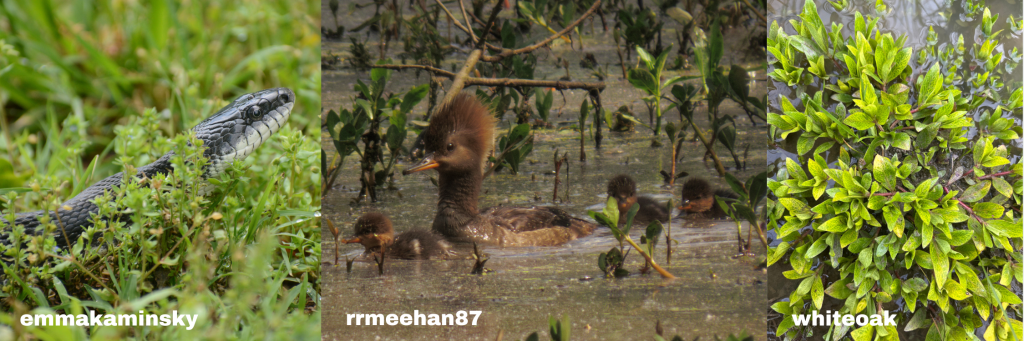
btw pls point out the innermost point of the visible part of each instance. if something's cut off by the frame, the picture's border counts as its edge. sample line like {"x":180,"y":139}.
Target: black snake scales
{"x":230,"y":134}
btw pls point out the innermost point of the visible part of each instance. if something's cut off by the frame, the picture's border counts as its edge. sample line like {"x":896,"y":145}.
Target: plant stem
{"x":711,"y":149}
{"x":668,"y":233}
{"x":657,"y":110}
{"x":650,"y":261}
{"x":595,"y":95}
{"x":672,"y":170}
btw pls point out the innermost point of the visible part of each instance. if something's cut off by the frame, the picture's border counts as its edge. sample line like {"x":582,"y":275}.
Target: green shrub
{"x":80,"y":81}
{"x":903,"y":196}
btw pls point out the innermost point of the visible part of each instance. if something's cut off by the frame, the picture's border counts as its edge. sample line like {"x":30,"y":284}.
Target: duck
{"x":456,"y":142}
{"x":699,"y":200}
{"x":375,"y":232}
{"x":623,"y":189}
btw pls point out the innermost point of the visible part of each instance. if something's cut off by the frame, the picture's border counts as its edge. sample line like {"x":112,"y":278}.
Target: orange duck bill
{"x":428,"y":162}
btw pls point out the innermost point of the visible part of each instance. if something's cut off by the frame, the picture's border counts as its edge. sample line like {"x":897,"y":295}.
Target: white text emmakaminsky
{"x":835,"y":319}
{"x":460,"y":318}
{"x":92,"y":319}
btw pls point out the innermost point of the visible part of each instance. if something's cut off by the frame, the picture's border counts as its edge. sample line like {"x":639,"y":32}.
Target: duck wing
{"x":650,"y":210}
{"x":534,"y":226}
{"x":419,"y":244}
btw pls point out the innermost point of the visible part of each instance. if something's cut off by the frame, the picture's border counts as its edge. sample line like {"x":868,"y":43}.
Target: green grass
{"x":90,"y":88}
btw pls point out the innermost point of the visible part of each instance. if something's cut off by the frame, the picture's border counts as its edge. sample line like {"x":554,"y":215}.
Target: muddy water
{"x":716,"y":294}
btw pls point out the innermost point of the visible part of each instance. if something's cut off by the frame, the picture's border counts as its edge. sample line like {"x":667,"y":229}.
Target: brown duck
{"x":375,"y":232}
{"x":699,"y":200}
{"x":623,"y":189}
{"x":456,"y":143}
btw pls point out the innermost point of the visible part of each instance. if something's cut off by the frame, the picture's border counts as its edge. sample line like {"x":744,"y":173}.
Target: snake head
{"x":242,"y":126}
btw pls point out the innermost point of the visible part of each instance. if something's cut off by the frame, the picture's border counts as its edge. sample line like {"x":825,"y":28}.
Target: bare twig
{"x":490,"y":23}
{"x":494,"y":31}
{"x":711,"y":149}
{"x":435,"y":70}
{"x":752,"y":9}
{"x":459,"y":81}
{"x":455,"y":21}
{"x":558,"y":168}
{"x":458,"y":24}
{"x":595,"y":94}
{"x":622,"y":61}
{"x":668,"y":235}
{"x":468,"y":24}
{"x":559,"y":85}
{"x":506,"y":52}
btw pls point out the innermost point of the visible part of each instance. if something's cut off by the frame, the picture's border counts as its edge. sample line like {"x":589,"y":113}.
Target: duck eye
{"x":451,"y":147}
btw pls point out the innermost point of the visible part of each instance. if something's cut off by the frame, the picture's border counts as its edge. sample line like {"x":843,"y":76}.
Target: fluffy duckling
{"x":699,"y":199}
{"x":456,"y":143}
{"x":375,"y":232}
{"x":623,"y":189}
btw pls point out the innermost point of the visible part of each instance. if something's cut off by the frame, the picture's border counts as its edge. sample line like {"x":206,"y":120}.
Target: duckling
{"x":456,"y":143}
{"x":375,"y":232}
{"x":699,"y":200}
{"x":623,"y":189}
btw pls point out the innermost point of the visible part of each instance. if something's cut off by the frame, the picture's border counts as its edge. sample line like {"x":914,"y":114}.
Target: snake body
{"x":230,"y":134}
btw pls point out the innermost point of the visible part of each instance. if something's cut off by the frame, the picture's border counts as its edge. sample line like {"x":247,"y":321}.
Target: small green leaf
{"x":940,"y":263}
{"x":955,"y":290}
{"x":988,"y":210}
{"x":643,"y":80}
{"x":817,"y":292}
{"x":1004,"y":228}
{"x":862,"y":334}
{"x":901,"y":141}
{"x":859,"y":120}
{"x":930,"y":86}
{"x":976,"y":192}
{"x":816,"y":248}
{"x":836,"y":224}
{"x":865,"y":257}
{"x":915,"y":284}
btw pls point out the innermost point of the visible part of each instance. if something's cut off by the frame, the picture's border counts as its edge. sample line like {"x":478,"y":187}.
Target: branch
{"x":456,"y":21}
{"x":558,"y":85}
{"x":752,"y":9}
{"x":710,"y":147}
{"x":494,"y":31}
{"x":464,"y":29}
{"x":489,"y":24}
{"x":435,"y":70}
{"x":459,"y":81}
{"x":468,"y":24}
{"x":508,"y":82}
{"x":995,"y":175}
{"x":506,"y":52}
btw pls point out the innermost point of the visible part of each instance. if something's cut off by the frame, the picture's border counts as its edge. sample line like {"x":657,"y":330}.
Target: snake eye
{"x":451,"y":147}
{"x":254,"y":112}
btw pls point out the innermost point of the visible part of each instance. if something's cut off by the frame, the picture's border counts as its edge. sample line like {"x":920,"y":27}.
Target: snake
{"x":229,"y":135}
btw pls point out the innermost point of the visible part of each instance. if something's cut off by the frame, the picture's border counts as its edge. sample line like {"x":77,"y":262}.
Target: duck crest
{"x":464,"y":119}
{"x":622,"y":184}
{"x":696,"y":188}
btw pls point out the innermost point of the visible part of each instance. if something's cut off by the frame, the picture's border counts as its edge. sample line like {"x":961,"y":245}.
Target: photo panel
{"x":159,"y":170}
{"x":894,"y":165}
{"x":540,"y":169}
